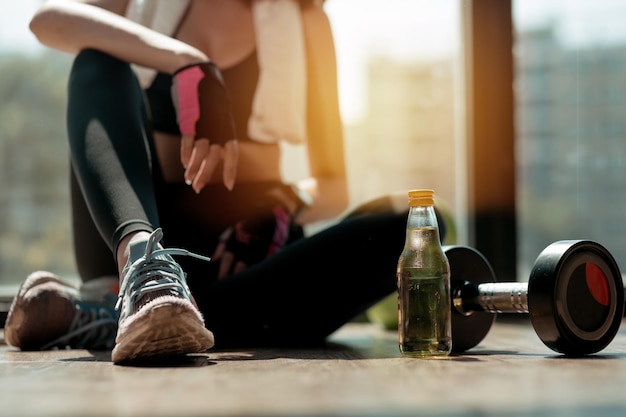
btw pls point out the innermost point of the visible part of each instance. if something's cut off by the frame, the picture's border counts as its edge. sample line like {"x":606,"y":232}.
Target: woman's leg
{"x":111,"y":157}
{"x":314,"y":286}
{"x":92,"y":254}
{"x":310,"y":288}
{"x":109,"y":146}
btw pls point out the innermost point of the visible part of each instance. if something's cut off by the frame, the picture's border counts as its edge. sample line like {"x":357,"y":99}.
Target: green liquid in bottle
{"x":424,"y":297}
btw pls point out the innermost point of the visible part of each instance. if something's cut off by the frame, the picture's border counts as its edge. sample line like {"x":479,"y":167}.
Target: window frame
{"x":490,"y":132}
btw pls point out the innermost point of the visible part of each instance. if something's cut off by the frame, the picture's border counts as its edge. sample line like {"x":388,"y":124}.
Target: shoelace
{"x":154,"y":271}
{"x":94,"y":327}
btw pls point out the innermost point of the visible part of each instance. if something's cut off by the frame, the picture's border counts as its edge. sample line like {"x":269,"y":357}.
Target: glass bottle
{"x":423,"y":274}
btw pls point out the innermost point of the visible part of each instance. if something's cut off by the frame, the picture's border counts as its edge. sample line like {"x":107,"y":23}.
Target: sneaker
{"x":158,"y":315}
{"x":49,"y":313}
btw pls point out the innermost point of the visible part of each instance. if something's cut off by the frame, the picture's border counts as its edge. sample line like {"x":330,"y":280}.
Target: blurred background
{"x":520,"y":161}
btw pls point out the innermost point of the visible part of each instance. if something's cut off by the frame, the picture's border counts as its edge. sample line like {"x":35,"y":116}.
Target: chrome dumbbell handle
{"x":491,"y":297}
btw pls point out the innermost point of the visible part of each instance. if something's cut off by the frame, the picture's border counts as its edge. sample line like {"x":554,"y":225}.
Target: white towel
{"x":279,"y":104}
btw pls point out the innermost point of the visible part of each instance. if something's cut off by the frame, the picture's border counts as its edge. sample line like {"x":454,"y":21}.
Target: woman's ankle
{"x":123,"y":249}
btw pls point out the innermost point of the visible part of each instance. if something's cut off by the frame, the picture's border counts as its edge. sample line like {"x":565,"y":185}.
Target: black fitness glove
{"x":251,"y":240}
{"x":202,"y":103}
{"x":206,"y":123}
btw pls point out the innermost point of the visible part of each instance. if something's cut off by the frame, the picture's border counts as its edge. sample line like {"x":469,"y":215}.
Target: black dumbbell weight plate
{"x":467,"y":265}
{"x":576,"y":297}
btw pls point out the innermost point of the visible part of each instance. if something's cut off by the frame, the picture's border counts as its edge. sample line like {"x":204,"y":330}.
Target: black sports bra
{"x":241,"y":81}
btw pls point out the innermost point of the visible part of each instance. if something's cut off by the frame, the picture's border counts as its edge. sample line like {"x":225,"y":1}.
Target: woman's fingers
{"x":199,"y":151}
{"x":225,"y":265}
{"x":207,"y":166}
{"x":231,"y":158}
{"x":203,"y":160}
{"x":186,"y":147}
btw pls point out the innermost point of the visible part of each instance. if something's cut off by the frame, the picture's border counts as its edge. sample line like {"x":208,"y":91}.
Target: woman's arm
{"x":74,"y":25}
{"x":328,"y":185}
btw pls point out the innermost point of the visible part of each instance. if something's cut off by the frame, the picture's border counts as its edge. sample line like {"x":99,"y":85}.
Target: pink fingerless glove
{"x":187,"y":103}
{"x":257,"y":238}
{"x":202,"y":103}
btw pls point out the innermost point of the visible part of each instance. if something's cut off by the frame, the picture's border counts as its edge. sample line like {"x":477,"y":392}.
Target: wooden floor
{"x":360,"y":373}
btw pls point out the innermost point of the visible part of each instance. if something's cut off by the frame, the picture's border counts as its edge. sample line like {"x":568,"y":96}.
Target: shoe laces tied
{"x":155,"y":271}
{"x":94,"y":327}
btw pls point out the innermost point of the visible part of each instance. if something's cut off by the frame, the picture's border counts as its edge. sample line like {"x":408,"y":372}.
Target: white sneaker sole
{"x":167,"y":326}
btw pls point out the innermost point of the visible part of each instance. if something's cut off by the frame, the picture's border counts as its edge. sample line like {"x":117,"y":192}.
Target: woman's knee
{"x":92,"y":68}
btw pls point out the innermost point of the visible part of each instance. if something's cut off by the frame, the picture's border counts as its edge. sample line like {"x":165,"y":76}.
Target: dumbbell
{"x":574,"y":297}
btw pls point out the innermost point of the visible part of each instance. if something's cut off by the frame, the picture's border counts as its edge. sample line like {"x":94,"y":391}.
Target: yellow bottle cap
{"x":421,"y":198}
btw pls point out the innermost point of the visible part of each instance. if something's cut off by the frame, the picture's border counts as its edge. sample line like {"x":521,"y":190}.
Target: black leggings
{"x":298,"y":296}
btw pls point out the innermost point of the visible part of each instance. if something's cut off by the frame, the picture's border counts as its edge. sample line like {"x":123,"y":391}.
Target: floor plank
{"x":359,"y":373}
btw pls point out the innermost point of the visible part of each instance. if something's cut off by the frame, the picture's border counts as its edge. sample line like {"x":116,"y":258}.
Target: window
{"x":34,"y":202}
{"x":400,"y":80}
{"x":571,"y":142}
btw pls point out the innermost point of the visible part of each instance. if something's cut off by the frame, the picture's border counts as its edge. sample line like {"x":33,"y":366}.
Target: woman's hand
{"x":208,"y":133}
{"x":251,"y":240}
